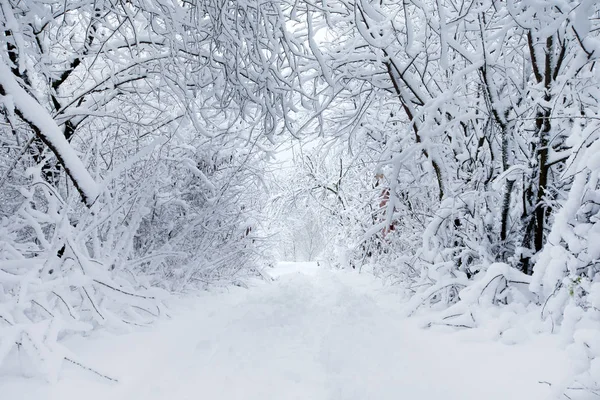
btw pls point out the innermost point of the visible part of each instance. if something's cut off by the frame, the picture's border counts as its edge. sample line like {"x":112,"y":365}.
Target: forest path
{"x":312,"y":334}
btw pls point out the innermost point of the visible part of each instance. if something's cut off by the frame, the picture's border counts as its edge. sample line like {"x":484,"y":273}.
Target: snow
{"x":311,"y":333}
{"x":38,"y":116}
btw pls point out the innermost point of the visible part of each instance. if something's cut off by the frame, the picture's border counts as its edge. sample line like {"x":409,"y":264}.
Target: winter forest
{"x":359,"y":176}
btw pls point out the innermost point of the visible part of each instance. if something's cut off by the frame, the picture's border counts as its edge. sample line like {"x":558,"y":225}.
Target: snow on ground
{"x":311,"y":334}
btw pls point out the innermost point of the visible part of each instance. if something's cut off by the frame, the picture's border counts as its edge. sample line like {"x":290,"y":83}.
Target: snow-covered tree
{"x":136,"y":135}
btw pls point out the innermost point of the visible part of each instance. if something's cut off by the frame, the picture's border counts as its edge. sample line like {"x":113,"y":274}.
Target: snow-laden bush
{"x":567,"y":275}
{"x":160,"y":225}
{"x":152,"y":114}
{"x":63,"y":272}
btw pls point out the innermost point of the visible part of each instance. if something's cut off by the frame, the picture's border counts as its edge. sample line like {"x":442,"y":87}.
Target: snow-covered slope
{"x":310,"y":334}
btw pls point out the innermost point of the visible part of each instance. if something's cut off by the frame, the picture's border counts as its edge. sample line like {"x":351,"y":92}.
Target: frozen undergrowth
{"x":502,"y":305}
{"x":66,"y":270}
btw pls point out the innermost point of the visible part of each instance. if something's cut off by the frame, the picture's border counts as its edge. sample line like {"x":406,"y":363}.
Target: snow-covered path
{"x":313,"y":335}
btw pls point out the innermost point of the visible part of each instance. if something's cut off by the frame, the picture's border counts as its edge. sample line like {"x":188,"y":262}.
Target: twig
{"x":65,"y":303}
{"x":124,"y":292}
{"x":92,"y":302}
{"x":488,"y":284}
{"x":91,"y":370}
{"x":14,"y":164}
{"x":42,"y":307}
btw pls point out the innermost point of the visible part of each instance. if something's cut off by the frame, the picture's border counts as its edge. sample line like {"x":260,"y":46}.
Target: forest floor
{"x":311,"y":334}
